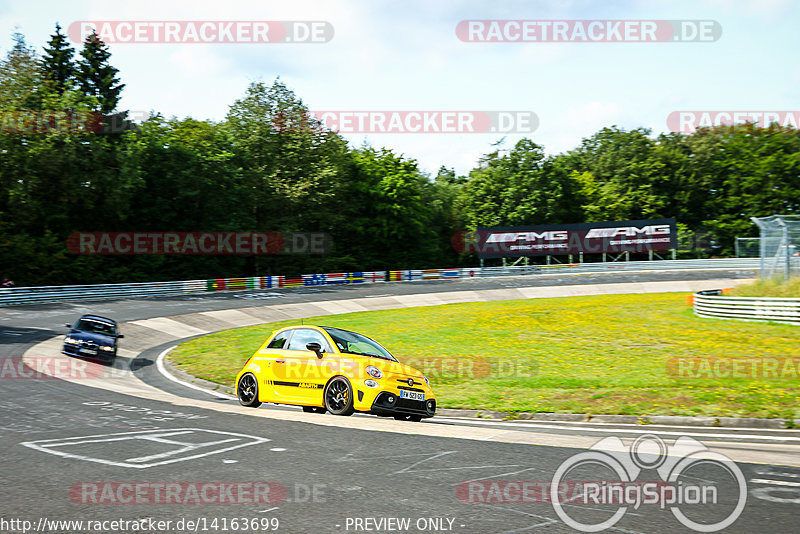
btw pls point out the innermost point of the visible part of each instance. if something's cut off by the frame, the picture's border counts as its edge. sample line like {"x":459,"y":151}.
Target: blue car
{"x":94,"y":337}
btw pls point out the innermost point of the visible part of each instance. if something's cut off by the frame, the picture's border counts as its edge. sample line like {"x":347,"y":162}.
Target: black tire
{"x":339,"y":396}
{"x":314,"y":409}
{"x":247,"y":391}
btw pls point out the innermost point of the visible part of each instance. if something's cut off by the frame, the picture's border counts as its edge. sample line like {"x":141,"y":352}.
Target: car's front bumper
{"x":390,"y":403}
{"x":75,"y":350}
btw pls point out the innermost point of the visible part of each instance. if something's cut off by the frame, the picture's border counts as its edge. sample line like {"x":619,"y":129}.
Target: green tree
{"x":57,"y":62}
{"x":96,"y":77}
{"x":522,"y":187}
{"x":296,"y":172}
{"x":20,"y":76}
{"x":619,"y":176}
{"x":390,"y":221}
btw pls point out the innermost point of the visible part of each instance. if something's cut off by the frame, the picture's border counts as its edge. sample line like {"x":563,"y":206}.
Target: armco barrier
{"x":777,"y":309}
{"x":32,"y":295}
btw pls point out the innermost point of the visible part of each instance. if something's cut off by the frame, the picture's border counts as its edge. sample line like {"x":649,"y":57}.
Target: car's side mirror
{"x":316,"y":347}
{"x":68,"y":325}
{"x":120,"y":336}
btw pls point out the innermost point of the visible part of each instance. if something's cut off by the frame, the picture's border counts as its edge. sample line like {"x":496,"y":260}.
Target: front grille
{"x":404,"y":382}
{"x":410,"y":404}
{"x":401,"y":405}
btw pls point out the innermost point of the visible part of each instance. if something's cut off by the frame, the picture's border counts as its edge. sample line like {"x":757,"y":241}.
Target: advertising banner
{"x":589,"y":238}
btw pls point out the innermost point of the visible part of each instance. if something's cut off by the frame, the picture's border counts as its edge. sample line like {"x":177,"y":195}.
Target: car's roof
{"x":99,"y":318}
{"x":320,"y":327}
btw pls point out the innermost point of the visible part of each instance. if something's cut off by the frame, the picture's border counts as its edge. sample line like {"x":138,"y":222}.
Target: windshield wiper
{"x":369,"y":355}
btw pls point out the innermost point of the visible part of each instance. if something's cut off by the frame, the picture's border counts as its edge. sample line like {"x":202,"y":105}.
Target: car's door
{"x":300,"y":375}
{"x":268,"y":358}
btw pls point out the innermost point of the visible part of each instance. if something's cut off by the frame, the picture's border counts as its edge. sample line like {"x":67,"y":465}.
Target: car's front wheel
{"x":339,"y":396}
{"x":247,"y":391}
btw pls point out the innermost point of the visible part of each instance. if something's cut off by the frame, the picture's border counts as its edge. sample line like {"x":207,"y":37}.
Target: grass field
{"x":616,"y":354}
{"x":769,"y":288}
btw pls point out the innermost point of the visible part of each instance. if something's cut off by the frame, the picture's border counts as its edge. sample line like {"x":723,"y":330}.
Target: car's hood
{"x":98,"y":339}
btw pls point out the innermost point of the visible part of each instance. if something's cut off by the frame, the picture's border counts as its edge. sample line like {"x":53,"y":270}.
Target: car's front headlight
{"x":370,"y":383}
{"x":106,"y":348}
{"x":72,"y":341}
{"x":373,"y":371}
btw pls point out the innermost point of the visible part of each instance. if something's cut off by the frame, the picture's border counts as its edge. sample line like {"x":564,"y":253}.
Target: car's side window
{"x":304,"y":336}
{"x":280,"y":340}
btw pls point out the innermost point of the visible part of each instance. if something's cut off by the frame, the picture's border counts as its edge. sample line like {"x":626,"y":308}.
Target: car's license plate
{"x":87,"y":351}
{"x":413,"y":395}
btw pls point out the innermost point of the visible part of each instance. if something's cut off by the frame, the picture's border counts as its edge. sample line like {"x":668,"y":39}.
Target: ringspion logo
{"x":704,"y":490}
{"x":588,"y":31}
{"x":202,"y":31}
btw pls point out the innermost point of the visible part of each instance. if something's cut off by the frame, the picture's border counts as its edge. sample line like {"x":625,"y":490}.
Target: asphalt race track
{"x":166,"y":453}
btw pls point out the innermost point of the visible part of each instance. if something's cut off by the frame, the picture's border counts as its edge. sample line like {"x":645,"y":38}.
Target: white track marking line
{"x":775,"y":482}
{"x":629,"y":431}
{"x":620,"y":425}
{"x":166,"y":374}
{"x":49,"y":444}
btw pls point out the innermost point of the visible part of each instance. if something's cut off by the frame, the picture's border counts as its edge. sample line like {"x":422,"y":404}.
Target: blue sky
{"x":406,"y":56}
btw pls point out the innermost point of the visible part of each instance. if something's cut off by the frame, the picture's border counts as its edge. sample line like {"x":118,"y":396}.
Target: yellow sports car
{"x":329,"y":369}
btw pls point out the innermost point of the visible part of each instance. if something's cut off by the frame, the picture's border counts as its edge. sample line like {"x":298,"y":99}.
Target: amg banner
{"x":589,"y":238}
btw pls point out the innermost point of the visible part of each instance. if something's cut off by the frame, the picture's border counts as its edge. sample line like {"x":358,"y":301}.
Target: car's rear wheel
{"x":314,"y":409}
{"x":247,"y":391}
{"x":339,"y":396}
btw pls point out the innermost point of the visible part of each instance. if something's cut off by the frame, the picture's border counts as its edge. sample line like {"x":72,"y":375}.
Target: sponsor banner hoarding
{"x":590,"y":238}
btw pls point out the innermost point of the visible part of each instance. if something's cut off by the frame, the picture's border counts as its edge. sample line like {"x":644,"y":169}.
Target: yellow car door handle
{"x":280,"y":361}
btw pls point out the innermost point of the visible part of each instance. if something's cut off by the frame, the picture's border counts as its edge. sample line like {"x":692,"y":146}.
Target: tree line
{"x":268,"y":167}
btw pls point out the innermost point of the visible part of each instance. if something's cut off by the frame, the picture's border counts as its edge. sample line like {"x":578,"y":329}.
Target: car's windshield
{"x":94,"y":327}
{"x":353,"y":343}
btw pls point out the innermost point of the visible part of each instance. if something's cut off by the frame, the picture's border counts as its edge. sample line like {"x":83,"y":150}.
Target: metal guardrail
{"x":776,"y":309}
{"x":411,"y":275}
{"x":660,"y":265}
{"x":45,"y":294}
